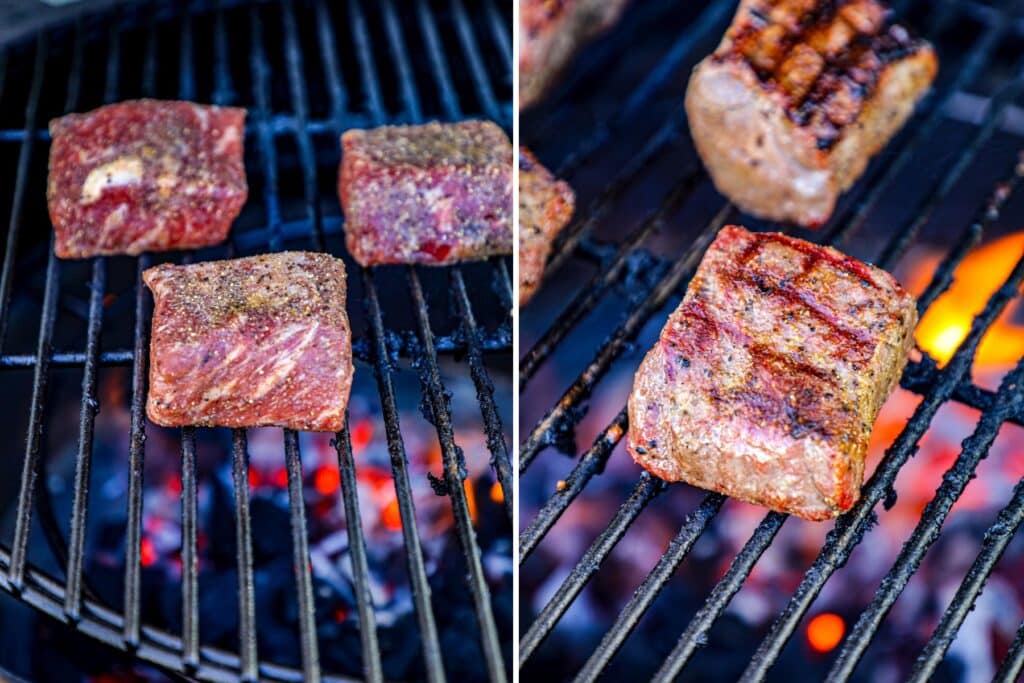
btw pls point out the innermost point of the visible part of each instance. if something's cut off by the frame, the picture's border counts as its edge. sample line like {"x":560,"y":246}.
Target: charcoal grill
{"x":306,"y":71}
{"x":629,"y":273}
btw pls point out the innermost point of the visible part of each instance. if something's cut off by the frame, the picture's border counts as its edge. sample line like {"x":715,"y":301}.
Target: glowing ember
{"x":147,"y":552}
{"x":280,"y":478}
{"x":390,"y":516}
{"x":327,"y":480}
{"x":497,"y":495}
{"x":947,"y":322}
{"x":825,"y":631}
{"x":470,"y":498}
{"x":362,"y":434}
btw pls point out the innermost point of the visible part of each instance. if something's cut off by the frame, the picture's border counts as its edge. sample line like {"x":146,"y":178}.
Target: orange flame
{"x":946,"y":323}
{"x":470,"y":499}
{"x":825,"y":631}
{"x":391,"y":517}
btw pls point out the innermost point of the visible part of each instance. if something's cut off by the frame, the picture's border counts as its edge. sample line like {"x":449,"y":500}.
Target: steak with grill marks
{"x":145,"y":175}
{"x":434,"y":194}
{"x":766,"y":381}
{"x":545,"y":206}
{"x":257,"y":341}
{"x":551,"y":31}
{"x":798,"y":97}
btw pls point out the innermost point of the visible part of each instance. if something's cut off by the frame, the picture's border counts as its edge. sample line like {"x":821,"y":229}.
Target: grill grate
{"x":626,"y":259}
{"x":481,"y":89}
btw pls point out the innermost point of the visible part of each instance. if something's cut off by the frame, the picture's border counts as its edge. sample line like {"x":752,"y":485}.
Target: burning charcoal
{"x":434,"y":194}
{"x":255,"y":341}
{"x":145,"y":175}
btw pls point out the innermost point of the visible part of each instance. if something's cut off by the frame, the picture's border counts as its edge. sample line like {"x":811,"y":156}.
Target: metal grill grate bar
{"x":300,"y":559}
{"x":20,"y":183}
{"x":997,"y":537}
{"x":438,"y":61}
{"x":360,"y":569}
{"x":455,"y":477}
{"x":471,"y":50}
{"x":249,"y":668}
{"x":189,"y":556}
{"x":1013,"y":665}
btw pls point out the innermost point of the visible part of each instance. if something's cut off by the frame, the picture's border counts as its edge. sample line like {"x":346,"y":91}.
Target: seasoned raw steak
{"x":433,"y":194}
{"x":551,"y":31}
{"x":145,"y":175}
{"x":545,"y":206}
{"x":798,"y":97}
{"x":250,"y":342}
{"x":767,"y":379}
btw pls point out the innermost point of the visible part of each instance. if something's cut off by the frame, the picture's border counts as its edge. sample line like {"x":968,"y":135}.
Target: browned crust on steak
{"x":545,"y":207}
{"x":798,"y":97}
{"x":766,"y":381}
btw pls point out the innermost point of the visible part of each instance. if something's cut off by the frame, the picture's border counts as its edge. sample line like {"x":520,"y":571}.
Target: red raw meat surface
{"x":433,"y":194}
{"x":257,"y":341}
{"x":145,"y":175}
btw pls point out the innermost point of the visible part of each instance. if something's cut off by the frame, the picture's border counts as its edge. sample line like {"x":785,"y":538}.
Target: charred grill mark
{"x":824,"y":58}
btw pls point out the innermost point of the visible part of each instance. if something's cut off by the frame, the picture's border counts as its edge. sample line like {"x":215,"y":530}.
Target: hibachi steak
{"x":545,"y":206}
{"x":255,"y":341}
{"x":434,"y":194}
{"x":145,"y":175}
{"x":766,"y":381}
{"x":798,"y":97}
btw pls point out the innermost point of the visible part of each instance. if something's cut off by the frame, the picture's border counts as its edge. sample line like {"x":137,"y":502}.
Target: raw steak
{"x":767,"y":379}
{"x":798,"y":97}
{"x":434,"y":194}
{"x":145,"y":175}
{"x":551,"y":31}
{"x":249,"y":342}
{"x":545,"y":206}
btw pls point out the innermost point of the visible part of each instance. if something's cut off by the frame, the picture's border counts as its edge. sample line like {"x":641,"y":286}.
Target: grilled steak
{"x":545,"y":206}
{"x":798,"y":97}
{"x":250,"y":342}
{"x":433,"y":194}
{"x":145,"y":175}
{"x":550,"y":32}
{"x":767,"y":379}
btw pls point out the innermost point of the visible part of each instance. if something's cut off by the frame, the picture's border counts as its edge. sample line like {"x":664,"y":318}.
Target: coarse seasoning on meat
{"x":434,"y":194}
{"x":145,"y":175}
{"x":545,"y":207}
{"x":798,"y":97}
{"x":257,"y":341}
{"x":551,"y":31}
{"x":766,"y":381}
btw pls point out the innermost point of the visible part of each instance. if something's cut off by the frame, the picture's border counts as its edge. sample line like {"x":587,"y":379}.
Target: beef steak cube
{"x":145,"y":175}
{"x":545,"y":207}
{"x":257,"y":341}
{"x":766,"y":381}
{"x":434,"y":194}
{"x":798,"y":97}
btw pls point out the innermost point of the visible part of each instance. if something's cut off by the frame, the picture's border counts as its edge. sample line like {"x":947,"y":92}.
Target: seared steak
{"x":545,"y":206}
{"x":250,"y":342}
{"x":145,"y":175}
{"x":766,"y":381}
{"x":434,"y":194}
{"x":798,"y":97}
{"x":551,"y":31}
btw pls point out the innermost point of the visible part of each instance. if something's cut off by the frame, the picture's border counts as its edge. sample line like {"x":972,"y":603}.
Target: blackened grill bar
{"x":936,"y":385}
{"x":187,"y":654}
